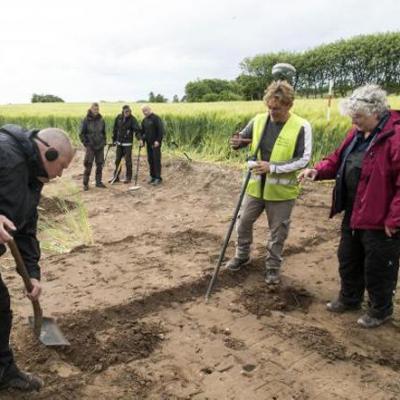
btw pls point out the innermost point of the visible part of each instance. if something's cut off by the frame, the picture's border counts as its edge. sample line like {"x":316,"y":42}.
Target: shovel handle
{"x":21,"y":268}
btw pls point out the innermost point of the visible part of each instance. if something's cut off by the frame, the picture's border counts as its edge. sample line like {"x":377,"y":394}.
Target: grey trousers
{"x":278,"y":216}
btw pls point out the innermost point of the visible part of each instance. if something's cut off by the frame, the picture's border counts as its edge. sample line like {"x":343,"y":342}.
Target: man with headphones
{"x":28,"y":159}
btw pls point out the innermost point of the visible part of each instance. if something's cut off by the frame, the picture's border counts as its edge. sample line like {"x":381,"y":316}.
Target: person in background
{"x":125,"y":126}
{"x":152,"y":134}
{"x":93,"y":137}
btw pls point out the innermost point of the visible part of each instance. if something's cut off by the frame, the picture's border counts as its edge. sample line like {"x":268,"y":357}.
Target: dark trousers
{"x":124,"y":152}
{"x":368,"y":260}
{"x":90,"y":156}
{"x":154,"y":159}
{"x":6,"y":357}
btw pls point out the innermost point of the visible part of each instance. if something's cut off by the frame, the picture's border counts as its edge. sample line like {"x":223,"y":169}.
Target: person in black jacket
{"x":125,"y":126}
{"x":28,"y":159}
{"x":93,"y":137}
{"x":152,"y":134}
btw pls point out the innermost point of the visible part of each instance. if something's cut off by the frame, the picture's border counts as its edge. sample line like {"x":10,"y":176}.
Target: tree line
{"x":349,"y":63}
{"x":46,"y":98}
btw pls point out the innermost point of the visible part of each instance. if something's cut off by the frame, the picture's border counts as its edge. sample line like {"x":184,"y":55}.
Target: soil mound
{"x":261,"y":300}
{"x":95,"y":348}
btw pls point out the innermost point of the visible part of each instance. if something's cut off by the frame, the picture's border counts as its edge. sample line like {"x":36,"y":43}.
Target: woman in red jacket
{"x":366,"y":167}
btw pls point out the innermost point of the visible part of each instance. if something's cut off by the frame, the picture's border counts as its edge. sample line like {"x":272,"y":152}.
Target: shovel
{"x":116,"y":174}
{"x":135,"y":186}
{"x":108,"y":149}
{"x":45,"y":329}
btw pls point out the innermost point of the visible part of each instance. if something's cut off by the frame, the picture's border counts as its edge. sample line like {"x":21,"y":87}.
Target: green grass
{"x":69,"y":227}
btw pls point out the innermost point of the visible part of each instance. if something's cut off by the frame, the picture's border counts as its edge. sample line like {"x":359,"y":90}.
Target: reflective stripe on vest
{"x":277,"y":187}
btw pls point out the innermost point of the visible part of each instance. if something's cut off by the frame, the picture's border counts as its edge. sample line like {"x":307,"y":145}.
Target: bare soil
{"x":132,"y":305}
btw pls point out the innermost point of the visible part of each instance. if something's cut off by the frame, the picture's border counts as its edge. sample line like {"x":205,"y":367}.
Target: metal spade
{"x":45,"y":329}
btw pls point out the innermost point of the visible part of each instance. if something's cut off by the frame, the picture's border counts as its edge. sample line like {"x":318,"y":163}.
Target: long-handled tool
{"x":228,"y":235}
{"x":233,"y":220}
{"x":116,"y":173}
{"x":108,"y":149}
{"x":45,"y":329}
{"x":135,"y":186}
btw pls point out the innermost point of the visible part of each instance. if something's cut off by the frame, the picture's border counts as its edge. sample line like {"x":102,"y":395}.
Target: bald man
{"x":152,"y":133}
{"x":28,"y":159}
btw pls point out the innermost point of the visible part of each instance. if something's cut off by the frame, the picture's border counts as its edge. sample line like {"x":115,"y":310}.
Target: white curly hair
{"x":369,"y":99}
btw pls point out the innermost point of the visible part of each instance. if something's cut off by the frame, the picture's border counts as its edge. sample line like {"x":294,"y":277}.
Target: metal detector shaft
{"x":228,"y":235}
{"x":233,"y":221}
{"x":137,"y":166}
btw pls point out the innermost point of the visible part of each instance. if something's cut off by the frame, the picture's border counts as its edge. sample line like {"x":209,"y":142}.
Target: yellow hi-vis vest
{"x":277,"y":187}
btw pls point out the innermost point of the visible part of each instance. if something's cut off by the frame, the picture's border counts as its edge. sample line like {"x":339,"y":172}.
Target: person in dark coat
{"x":125,"y":126}
{"x":28,"y":159}
{"x":366,"y":167}
{"x":152,"y":134}
{"x":93,"y":137}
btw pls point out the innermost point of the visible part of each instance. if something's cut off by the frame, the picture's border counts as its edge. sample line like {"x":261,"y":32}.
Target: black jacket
{"x":93,"y":131}
{"x":124,"y":128}
{"x":20,"y":190}
{"x":152,"y":129}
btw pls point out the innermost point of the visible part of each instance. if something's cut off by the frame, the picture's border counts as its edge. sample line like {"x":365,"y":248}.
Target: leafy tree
{"x":349,"y":63}
{"x":159,"y":98}
{"x":46,"y":98}
{"x":213,"y":90}
{"x":152,"y":97}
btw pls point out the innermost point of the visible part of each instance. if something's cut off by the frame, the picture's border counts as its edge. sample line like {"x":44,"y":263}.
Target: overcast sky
{"x":121,"y":50}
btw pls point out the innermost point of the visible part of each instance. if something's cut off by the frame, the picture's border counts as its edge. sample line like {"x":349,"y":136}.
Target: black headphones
{"x":51,"y":153}
{"x":17,"y":133}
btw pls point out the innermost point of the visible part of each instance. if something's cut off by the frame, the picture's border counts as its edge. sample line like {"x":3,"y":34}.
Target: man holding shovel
{"x":28,"y":159}
{"x":285,"y":148}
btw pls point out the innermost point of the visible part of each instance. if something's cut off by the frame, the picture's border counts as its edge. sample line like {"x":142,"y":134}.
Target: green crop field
{"x":200,"y":129}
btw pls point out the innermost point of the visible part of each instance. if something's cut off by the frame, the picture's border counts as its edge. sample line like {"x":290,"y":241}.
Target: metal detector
{"x":135,"y":186}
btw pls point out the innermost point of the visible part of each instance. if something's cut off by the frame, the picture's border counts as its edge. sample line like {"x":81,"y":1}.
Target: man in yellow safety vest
{"x":285,"y":148}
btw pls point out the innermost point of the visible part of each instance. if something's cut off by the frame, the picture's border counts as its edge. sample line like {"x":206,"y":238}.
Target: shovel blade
{"x":133,"y":188}
{"x":50,"y":334}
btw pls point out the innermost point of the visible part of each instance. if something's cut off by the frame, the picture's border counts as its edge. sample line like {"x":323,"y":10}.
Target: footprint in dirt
{"x":185,"y":241}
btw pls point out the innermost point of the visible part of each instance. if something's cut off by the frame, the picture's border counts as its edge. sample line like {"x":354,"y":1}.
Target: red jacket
{"x":377,"y":200}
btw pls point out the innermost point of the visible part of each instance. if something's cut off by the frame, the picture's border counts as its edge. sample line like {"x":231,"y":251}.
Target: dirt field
{"x":132,"y":304}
